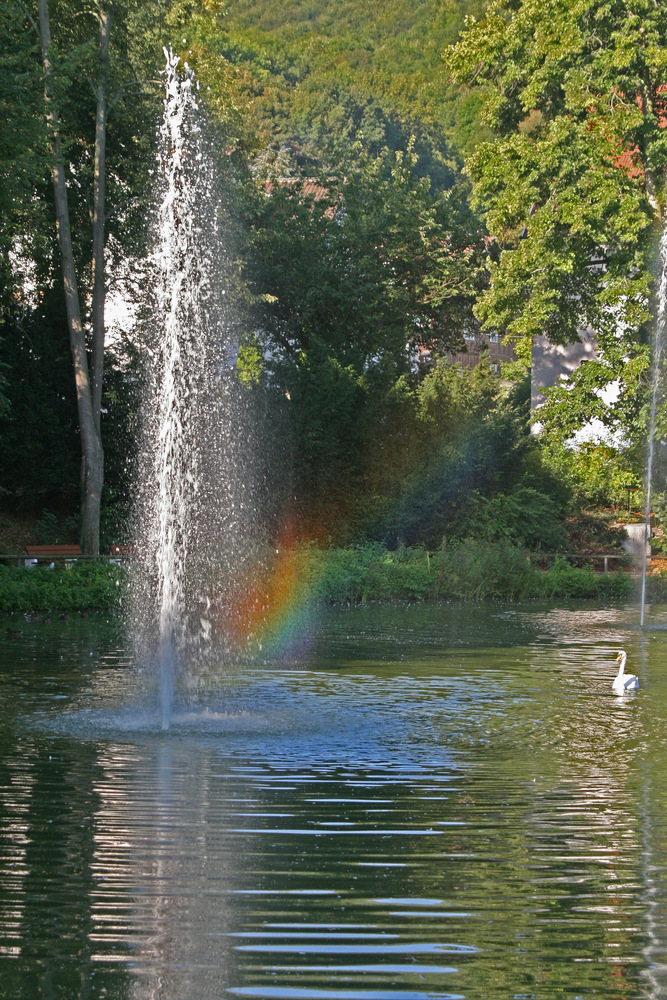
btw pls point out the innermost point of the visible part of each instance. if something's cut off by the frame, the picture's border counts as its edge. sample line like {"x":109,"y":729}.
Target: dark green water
{"x":414,"y":803}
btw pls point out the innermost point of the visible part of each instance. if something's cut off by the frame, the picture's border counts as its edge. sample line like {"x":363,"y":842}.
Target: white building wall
{"x":552,"y":362}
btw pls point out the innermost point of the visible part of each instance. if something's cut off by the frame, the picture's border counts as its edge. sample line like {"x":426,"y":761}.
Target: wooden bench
{"x":53,"y":553}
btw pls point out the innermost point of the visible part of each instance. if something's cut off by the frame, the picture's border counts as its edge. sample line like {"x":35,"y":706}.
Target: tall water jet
{"x":661,"y":323}
{"x":193,"y":497}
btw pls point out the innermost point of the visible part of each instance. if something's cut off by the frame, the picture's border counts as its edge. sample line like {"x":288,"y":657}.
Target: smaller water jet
{"x":661,"y":322}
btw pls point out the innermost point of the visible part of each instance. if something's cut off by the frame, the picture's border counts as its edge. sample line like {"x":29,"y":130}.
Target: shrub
{"x":475,"y":569}
{"x":65,"y":587}
{"x":469,"y":570}
{"x":563,"y":580}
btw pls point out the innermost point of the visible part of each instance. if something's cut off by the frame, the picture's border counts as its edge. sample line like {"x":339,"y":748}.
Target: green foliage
{"x":357,"y":250}
{"x":47,"y":528}
{"x":656,"y":587}
{"x":25,"y":154}
{"x":595,"y":474}
{"x":321,"y":77}
{"x":565,"y":580}
{"x":524,"y":517}
{"x":120,"y":424}
{"x":451,"y":399}
{"x":23,"y":164}
{"x":371,"y":572}
{"x":342,"y":276}
{"x":363,"y":263}
{"x":65,"y":587}
{"x":23,"y":143}
{"x":471,"y":569}
{"x":464,"y":434}
{"x":474,"y":569}
{"x":596,"y":532}
{"x":250,"y":362}
{"x":115,"y":519}
{"x":39,"y":447}
{"x":574,"y":93}
{"x":51,"y":529}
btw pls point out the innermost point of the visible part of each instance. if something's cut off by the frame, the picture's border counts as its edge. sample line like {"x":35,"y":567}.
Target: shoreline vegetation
{"x":468,"y":570}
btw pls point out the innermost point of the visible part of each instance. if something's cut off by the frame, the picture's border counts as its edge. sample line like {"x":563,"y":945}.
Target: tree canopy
{"x":572,"y":183}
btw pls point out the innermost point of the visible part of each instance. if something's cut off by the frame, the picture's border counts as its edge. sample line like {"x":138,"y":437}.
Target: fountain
{"x":656,"y":381}
{"x":194,"y":512}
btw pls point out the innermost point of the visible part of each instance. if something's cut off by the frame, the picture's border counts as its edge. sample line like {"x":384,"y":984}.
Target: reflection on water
{"x":419,"y":803}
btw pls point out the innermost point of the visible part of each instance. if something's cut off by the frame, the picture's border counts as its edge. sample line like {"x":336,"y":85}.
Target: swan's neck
{"x":621,"y":669}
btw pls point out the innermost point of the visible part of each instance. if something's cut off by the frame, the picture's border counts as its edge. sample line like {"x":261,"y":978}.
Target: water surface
{"x":412,"y":802}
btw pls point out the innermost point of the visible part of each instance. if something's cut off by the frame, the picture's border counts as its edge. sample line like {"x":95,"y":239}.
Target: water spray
{"x":657,"y":356}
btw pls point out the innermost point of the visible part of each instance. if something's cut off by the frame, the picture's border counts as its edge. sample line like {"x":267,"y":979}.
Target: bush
{"x":469,"y":570}
{"x":475,"y":569}
{"x":66,"y":587}
{"x":565,"y":580}
{"x":656,"y":586}
{"x":51,"y":529}
{"x":372,"y":572}
{"x":524,"y":517}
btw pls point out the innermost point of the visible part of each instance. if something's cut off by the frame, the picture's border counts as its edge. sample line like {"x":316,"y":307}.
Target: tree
{"x":572,"y":185}
{"x":85,"y":74}
{"x":38,"y":431}
{"x":460,"y":432}
{"x":88,"y":393}
{"x":326,"y":74}
{"x":23,"y":152}
{"x":350,"y":277}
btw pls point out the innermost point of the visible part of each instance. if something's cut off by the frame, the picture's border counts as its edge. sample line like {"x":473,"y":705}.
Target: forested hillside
{"x":330,"y":74}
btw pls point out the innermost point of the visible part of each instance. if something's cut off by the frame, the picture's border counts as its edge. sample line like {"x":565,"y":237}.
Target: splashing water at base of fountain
{"x":661,"y":322}
{"x":194,"y":511}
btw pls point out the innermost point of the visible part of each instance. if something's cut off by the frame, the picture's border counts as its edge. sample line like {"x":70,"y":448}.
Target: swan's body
{"x":624,"y":683}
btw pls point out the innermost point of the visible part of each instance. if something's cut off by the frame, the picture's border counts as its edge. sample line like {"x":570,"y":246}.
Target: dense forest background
{"x":398,"y":180}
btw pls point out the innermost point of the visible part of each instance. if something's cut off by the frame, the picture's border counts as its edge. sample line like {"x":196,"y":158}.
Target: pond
{"x":410,"y":802}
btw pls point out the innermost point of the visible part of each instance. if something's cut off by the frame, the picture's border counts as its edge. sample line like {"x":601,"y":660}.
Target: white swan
{"x":624,"y":683}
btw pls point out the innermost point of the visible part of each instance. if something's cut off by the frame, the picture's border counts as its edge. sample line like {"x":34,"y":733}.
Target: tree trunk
{"x":91,"y":444}
{"x":99,"y":290}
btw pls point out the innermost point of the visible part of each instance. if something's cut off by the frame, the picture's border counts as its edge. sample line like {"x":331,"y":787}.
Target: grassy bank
{"x":67,"y":587}
{"x":467,"y":570}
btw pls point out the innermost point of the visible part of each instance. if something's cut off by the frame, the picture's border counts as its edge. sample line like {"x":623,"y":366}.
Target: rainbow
{"x":266,"y":610}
